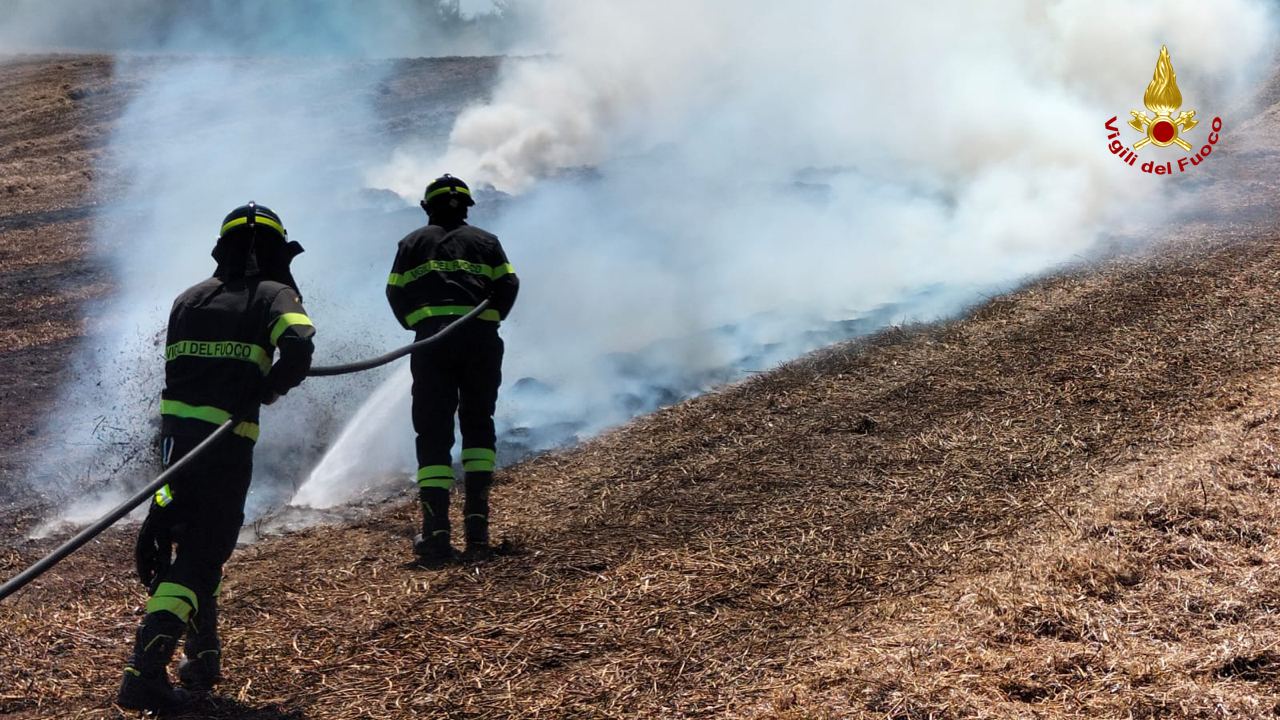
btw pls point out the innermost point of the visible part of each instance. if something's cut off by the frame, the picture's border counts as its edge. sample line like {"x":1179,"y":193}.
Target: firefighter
{"x":442,"y":271}
{"x":223,"y":334}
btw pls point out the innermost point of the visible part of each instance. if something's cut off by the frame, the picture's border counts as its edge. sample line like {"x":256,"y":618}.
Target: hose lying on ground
{"x":43,"y":565}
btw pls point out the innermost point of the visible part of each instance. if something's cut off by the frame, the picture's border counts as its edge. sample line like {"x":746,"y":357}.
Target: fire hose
{"x":362,"y":365}
{"x":44,"y":564}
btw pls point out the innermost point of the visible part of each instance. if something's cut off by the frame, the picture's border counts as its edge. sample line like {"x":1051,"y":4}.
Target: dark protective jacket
{"x":223,"y":334}
{"x":443,"y":272}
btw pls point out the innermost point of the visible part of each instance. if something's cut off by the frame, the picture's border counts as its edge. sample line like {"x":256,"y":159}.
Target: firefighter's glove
{"x":269,"y":396}
{"x":154,"y":551}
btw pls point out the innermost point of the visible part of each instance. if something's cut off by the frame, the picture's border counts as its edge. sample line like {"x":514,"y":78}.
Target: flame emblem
{"x":1163,"y":98}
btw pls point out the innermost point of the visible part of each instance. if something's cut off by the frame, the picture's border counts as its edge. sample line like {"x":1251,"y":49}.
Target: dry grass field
{"x":1063,"y":505}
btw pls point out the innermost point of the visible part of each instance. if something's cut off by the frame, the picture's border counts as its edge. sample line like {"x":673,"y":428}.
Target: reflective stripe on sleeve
{"x":428,"y":311}
{"x":286,"y":321}
{"x":220,"y":350}
{"x":216,"y":416}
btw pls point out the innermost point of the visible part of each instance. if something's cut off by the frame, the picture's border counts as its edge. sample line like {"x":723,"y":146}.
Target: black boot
{"x":202,"y":668}
{"x":146,"y":678}
{"x":475,"y":514}
{"x":433,"y":547}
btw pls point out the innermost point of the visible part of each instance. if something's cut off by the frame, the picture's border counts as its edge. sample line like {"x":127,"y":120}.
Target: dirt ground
{"x":57,"y":115}
{"x":1064,"y":505}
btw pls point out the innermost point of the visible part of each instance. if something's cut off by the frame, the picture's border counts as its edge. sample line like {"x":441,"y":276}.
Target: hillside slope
{"x":1060,"y":506}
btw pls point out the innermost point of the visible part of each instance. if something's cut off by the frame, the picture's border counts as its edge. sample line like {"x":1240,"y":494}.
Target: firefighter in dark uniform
{"x":223,"y":335}
{"x":442,"y":271}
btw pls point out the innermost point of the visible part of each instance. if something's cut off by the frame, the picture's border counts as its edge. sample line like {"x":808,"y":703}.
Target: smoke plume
{"x":705,"y":191}
{"x":207,"y":130}
{"x":689,"y":191}
{"x":365,"y":28}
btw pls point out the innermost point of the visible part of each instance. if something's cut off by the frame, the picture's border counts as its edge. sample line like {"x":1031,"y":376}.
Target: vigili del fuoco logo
{"x":1164,"y":130}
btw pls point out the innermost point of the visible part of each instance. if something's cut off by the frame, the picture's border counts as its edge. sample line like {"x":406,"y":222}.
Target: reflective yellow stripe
{"x":214,"y":415}
{"x":164,"y":496}
{"x":478,"y":459}
{"x":177,"y":599}
{"x":286,"y":321}
{"x":449,"y":188}
{"x":422,"y":313}
{"x":257,"y":219}
{"x":220,"y":350}
{"x":493,"y":273}
{"x":177,"y":606}
{"x":436,"y":476}
{"x":175,"y":590}
{"x":180,"y":409}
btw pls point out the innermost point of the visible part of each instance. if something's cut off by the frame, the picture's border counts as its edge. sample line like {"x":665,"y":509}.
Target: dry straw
{"x":1062,"y":506}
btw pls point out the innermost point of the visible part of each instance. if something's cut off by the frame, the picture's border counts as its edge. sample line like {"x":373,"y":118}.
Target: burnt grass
{"x":1063,"y":505}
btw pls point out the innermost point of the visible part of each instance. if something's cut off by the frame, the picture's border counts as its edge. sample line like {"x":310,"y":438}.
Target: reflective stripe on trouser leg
{"x":435,"y":400}
{"x":435,"y":476}
{"x":478,"y":459}
{"x":174,"y":598}
{"x":479,"y":380}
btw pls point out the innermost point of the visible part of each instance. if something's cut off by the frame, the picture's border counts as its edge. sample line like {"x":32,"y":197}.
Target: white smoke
{"x":203,"y":132}
{"x":201,"y":138}
{"x":365,"y":28}
{"x":769,"y":167}
{"x":696,"y":189}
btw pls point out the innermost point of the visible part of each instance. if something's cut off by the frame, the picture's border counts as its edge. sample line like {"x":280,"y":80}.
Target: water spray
{"x":46,"y":563}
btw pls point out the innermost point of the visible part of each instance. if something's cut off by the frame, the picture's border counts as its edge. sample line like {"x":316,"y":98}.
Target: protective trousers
{"x":200,"y":510}
{"x":205,"y":515}
{"x":459,"y":375}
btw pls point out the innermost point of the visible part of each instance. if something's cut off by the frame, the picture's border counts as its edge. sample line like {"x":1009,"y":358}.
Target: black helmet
{"x":242,"y":254}
{"x":447,"y":189}
{"x":253,"y":216}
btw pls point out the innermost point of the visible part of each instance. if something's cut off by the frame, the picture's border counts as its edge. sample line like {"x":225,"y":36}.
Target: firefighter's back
{"x":218,"y":353}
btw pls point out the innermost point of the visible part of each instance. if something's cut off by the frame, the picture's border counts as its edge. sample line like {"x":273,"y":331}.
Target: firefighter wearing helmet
{"x":443,"y":271}
{"x":219,"y":364}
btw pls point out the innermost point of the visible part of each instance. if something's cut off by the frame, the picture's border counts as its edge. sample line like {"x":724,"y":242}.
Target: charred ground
{"x":1063,"y":505}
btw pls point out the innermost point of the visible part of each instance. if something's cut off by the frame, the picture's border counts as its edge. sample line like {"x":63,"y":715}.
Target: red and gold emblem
{"x":1163,"y":98}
